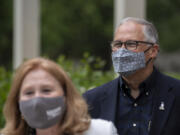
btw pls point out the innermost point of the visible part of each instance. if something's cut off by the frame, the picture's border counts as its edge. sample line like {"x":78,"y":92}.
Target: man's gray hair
{"x":150,"y":32}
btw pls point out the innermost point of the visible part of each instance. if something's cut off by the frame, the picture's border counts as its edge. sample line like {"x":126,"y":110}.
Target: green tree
{"x":73,"y":27}
{"x":165,"y":14}
{"x":6,"y":32}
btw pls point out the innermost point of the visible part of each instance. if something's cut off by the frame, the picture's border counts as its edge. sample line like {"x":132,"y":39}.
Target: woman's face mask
{"x":42,"y":112}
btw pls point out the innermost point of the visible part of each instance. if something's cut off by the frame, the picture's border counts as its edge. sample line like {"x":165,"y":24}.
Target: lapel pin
{"x":161,"y":107}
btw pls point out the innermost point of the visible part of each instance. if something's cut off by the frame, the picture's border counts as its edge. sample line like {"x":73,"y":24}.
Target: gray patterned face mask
{"x":127,"y":62}
{"x":42,"y":112}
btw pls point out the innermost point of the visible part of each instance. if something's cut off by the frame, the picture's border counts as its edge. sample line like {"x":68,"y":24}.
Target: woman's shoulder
{"x":101,"y":123}
{"x":99,"y":126}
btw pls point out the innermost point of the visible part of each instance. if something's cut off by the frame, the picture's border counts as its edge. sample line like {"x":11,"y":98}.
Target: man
{"x":141,"y":101}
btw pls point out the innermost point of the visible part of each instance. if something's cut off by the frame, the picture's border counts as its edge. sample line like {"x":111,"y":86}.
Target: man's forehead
{"x":130,"y":26}
{"x":129,"y":31}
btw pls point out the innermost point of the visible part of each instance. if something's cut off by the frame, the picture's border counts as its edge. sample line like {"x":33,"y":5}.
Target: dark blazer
{"x":102,"y":104}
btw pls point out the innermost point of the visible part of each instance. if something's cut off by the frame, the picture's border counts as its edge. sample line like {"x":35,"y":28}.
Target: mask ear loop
{"x":147,"y":49}
{"x":149,"y":58}
{"x":148,"y":61}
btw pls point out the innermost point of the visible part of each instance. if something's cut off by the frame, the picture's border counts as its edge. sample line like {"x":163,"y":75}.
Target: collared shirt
{"x":134,"y":115}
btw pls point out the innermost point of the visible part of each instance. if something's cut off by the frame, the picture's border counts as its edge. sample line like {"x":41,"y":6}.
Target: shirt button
{"x":134,"y":124}
{"x":135,"y":104}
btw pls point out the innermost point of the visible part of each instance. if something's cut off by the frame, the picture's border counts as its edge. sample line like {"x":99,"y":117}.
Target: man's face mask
{"x":42,"y":112}
{"x":127,"y":62}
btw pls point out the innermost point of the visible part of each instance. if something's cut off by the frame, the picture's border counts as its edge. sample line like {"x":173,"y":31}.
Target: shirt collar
{"x":147,"y":85}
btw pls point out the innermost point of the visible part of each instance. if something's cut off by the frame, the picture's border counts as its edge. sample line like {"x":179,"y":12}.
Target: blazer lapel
{"x":163,"y":102}
{"x":109,"y":100}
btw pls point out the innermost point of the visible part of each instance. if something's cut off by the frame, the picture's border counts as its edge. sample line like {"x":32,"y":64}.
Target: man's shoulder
{"x":168,"y":80}
{"x":101,"y":89}
{"x":170,"y":83}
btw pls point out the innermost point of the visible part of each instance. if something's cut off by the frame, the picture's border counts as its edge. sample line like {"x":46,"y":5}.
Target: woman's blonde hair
{"x":76,"y":118}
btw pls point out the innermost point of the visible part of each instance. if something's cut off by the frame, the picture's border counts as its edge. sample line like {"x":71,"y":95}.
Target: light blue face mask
{"x":127,"y":62}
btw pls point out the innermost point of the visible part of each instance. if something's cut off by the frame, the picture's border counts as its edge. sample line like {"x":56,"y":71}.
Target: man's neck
{"x":137,"y":78}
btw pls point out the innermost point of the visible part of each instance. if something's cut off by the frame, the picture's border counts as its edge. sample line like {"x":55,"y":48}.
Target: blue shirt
{"x":134,"y":116}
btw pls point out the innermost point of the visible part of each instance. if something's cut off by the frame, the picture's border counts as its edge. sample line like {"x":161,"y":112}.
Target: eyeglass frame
{"x":120,"y":44}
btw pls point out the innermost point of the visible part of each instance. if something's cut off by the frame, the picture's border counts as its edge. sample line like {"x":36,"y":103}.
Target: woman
{"x":43,"y":101}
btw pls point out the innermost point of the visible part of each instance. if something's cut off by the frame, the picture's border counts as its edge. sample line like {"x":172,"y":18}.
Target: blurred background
{"x":76,"y":34}
{"x":77,"y":26}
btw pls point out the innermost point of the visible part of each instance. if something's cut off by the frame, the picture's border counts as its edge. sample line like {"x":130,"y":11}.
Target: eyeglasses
{"x":129,"y":45}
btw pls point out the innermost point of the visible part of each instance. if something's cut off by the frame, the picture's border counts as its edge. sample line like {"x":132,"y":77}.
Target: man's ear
{"x":154,"y":51}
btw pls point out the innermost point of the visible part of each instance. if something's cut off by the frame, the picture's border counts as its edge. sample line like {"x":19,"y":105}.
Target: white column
{"x":128,"y":8}
{"x":26,"y":30}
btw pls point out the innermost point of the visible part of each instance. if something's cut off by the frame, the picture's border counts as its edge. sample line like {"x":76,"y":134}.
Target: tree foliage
{"x":5,"y":32}
{"x":165,"y":14}
{"x":76,"y":26}
{"x":5,"y":80}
